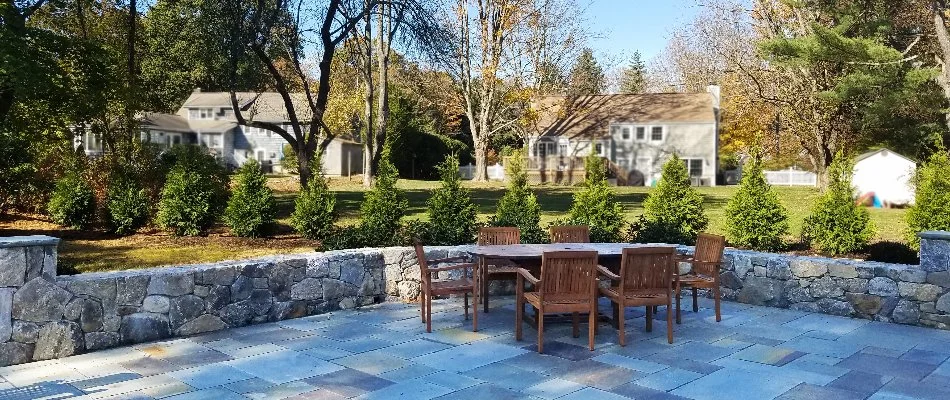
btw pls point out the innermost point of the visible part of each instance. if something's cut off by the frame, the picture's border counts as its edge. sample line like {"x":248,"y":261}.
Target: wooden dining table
{"x":528,"y":256}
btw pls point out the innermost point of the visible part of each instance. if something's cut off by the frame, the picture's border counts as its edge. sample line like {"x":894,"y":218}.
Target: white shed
{"x":887,"y":175}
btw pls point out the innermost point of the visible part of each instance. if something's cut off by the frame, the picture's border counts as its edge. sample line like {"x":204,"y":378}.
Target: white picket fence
{"x":791,"y":177}
{"x":495,"y":172}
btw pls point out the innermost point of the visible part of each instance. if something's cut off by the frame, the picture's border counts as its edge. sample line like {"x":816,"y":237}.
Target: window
{"x":227,"y":113}
{"x":694,"y":166}
{"x":600,"y":149}
{"x":201,"y":113}
{"x":626,"y":133}
{"x":562,"y":149}
{"x":543,"y":148}
{"x":656,"y":133}
{"x":641,"y":133}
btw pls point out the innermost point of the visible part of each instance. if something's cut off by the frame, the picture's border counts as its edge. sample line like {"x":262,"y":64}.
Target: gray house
{"x":207,"y":119}
{"x":636,"y":133}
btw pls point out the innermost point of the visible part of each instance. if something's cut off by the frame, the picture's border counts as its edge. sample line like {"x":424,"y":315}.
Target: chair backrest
{"x":647,"y":268}
{"x":570,"y":234}
{"x":568,"y":273}
{"x":423,"y":263}
{"x":709,"y":248}
{"x":499,"y":235}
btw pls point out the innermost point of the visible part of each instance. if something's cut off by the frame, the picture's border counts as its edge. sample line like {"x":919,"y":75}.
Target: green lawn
{"x":556,"y":201}
{"x":96,"y":250}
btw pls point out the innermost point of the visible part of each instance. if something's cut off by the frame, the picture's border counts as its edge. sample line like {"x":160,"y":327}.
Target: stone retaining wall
{"x":905,"y":294}
{"x":44,"y":316}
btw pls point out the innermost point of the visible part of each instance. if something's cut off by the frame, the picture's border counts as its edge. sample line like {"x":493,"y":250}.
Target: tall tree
{"x":843,"y":68}
{"x":587,"y":77}
{"x":633,"y":80}
{"x":279,"y":34}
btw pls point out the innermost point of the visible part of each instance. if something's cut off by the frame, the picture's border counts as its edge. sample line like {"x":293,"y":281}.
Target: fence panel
{"x":791,"y":177}
{"x":495,"y":172}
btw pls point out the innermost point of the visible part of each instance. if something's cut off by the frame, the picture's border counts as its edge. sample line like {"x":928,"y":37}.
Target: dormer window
{"x":641,"y":133}
{"x":201,"y":113}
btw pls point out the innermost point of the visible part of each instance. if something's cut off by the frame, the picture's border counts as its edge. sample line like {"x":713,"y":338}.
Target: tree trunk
{"x":382,"y":97}
{"x":943,"y":40}
{"x":369,"y":149}
{"x":303,"y":167}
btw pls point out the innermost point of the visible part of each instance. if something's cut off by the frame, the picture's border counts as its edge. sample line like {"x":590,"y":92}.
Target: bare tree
{"x":278,"y":33}
{"x":940,"y":9}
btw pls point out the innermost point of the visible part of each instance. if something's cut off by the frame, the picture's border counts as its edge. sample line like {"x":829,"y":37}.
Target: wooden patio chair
{"x":705,"y":272}
{"x":570,"y":234}
{"x":568,"y":284}
{"x":464,"y":284}
{"x":497,"y":268}
{"x":645,"y":280}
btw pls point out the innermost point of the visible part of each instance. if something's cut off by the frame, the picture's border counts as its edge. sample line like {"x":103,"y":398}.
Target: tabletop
{"x":528,"y":251}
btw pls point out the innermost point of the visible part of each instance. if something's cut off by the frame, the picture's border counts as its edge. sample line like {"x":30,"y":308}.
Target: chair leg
{"x":669,"y":322}
{"x":576,"y":322}
{"x":540,"y":332}
{"x":485,"y":293}
{"x":678,"y":295}
{"x":649,"y":318}
{"x":475,"y":303}
{"x":592,"y":328}
{"x":465,"y":302}
{"x":620,"y":327}
{"x":718,"y":300}
{"x":695,"y":300}
{"x":422,"y":306}
{"x":519,"y":315}
{"x":429,"y":313}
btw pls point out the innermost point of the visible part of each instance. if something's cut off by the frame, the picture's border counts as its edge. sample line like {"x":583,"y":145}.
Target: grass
{"x":99,"y":251}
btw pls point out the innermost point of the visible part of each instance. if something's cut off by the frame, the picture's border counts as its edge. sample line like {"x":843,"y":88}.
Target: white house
{"x":887,"y":175}
{"x":637,"y":133}
{"x":207,"y":119}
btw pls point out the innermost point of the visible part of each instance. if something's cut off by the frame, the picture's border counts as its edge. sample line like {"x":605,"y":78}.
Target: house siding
{"x":688,"y":141}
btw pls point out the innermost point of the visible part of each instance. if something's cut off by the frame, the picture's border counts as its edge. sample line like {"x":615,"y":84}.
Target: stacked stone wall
{"x":44,"y":316}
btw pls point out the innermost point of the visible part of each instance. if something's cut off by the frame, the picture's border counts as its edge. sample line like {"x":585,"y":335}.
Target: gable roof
{"x":885,"y":152}
{"x":592,"y":115}
{"x":265,"y":106}
{"x":177,"y":123}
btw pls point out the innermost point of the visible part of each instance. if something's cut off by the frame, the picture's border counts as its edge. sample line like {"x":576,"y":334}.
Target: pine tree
{"x":596,"y":206}
{"x":673,"y":212}
{"x":518,"y":206}
{"x":755,"y":217}
{"x":251,"y":207}
{"x":931,"y":210}
{"x":315,"y":210}
{"x":452,"y":214}
{"x":836,"y":224}
{"x":634,"y":76}
{"x":383,"y":207}
{"x":587,"y":77}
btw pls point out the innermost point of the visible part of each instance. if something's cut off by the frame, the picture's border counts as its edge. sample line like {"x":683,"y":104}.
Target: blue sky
{"x":625,"y":26}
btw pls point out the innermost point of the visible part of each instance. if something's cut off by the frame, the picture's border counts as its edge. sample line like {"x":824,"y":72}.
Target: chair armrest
{"x":606,"y":272}
{"x":683,"y":258}
{"x":447,"y":259}
{"x":452,"y":267}
{"x":528,"y":277}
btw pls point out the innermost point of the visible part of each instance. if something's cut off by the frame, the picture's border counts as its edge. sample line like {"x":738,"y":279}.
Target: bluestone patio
{"x":382,"y":352}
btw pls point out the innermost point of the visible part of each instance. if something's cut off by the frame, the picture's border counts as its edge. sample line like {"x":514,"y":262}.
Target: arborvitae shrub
{"x":518,"y":206}
{"x":931,"y":209}
{"x":673,"y":211}
{"x":836,"y":224}
{"x":755,"y":217}
{"x":73,"y":203}
{"x":452,"y":215}
{"x":251,"y":208}
{"x":315,"y":210}
{"x":596,"y":206}
{"x":194,"y":194}
{"x":383,"y":207}
{"x":127,"y":203}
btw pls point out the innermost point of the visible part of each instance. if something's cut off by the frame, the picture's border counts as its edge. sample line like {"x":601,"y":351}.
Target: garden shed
{"x":885,"y":177}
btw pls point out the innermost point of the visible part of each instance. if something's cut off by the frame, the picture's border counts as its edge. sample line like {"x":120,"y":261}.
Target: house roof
{"x":265,"y":106}
{"x":592,"y":115}
{"x":165,"y":122}
{"x":211,"y":126}
{"x":886,"y":151}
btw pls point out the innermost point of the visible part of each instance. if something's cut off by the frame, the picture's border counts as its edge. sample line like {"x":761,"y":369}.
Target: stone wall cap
{"x":940,"y":235}
{"x":24,"y":241}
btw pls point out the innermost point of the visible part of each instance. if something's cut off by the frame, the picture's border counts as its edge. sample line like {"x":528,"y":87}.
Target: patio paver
{"x":382,"y":352}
